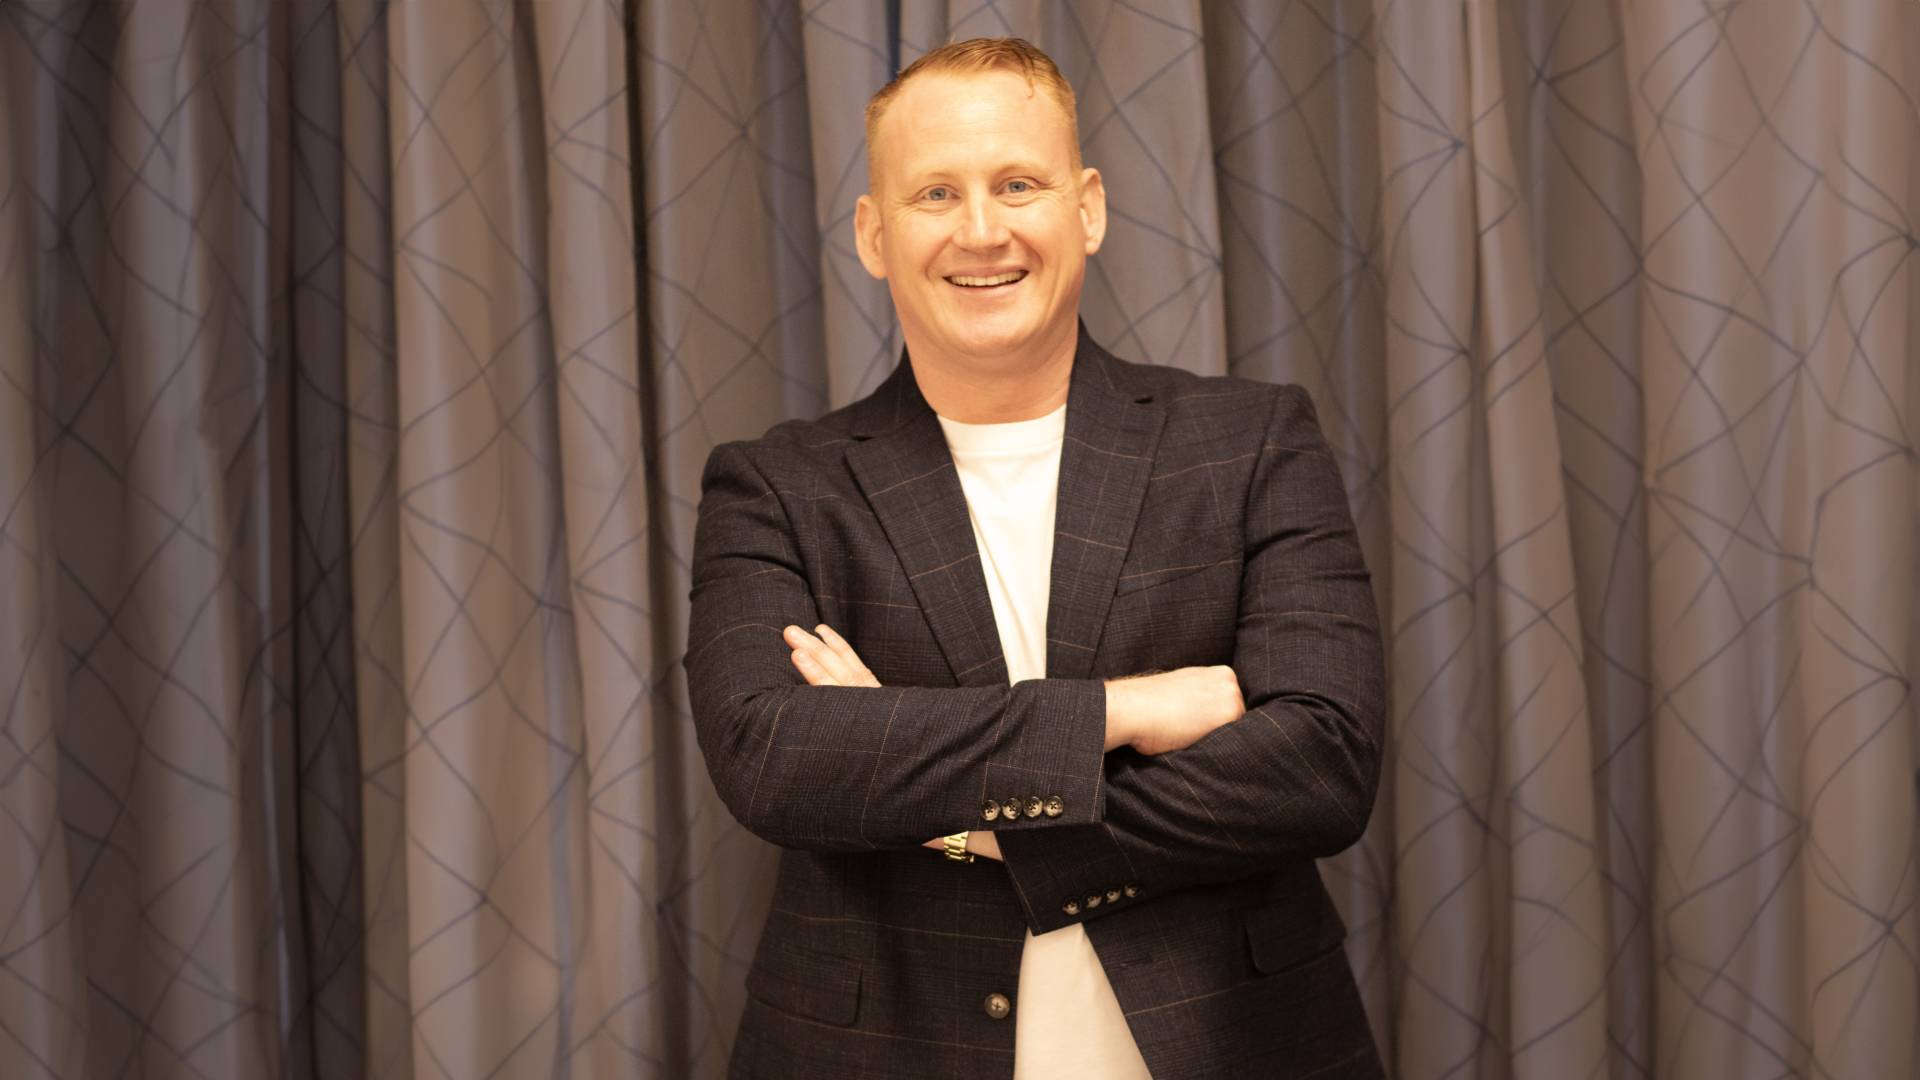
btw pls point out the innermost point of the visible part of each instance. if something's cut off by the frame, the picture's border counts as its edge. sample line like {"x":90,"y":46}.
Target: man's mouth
{"x":988,"y":281}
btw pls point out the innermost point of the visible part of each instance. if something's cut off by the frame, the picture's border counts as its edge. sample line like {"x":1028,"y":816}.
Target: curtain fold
{"x":365,"y":1024}
{"x":359,"y":360}
{"x":1776,"y":344}
{"x":41,"y":999}
{"x":1574,"y":145}
{"x":1297,"y":169}
{"x":1497,"y":905}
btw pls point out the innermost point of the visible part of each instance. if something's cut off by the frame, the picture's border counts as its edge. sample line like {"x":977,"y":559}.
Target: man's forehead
{"x":936,"y":111}
{"x":935,"y":95}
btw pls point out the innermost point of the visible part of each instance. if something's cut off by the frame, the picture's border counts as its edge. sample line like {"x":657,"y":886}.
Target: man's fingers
{"x":837,"y":643}
{"x":835,"y":667}
{"x":810,"y":669}
{"x":807,"y":651}
{"x":855,"y":667}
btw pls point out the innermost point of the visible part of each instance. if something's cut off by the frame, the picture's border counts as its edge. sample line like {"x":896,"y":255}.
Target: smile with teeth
{"x":972,"y":282}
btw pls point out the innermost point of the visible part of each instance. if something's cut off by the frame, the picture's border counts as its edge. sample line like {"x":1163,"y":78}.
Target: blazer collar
{"x":902,"y":465}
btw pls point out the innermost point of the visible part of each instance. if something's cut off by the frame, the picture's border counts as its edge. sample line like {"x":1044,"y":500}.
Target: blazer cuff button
{"x":990,"y":811}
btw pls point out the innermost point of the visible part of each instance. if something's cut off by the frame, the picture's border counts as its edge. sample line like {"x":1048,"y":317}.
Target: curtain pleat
{"x":1575,"y":151}
{"x":733,"y":265}
{"x":1498,"y":910}
{"x":1297,"y":168}
{"x":605,"y":859}
{"x":359,"y":360}
{"x":1776,"y":344}
{"x":42,"y":998}
{"x":847,"y":51}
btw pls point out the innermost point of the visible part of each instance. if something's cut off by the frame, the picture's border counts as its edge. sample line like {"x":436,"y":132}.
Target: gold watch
{"x":957,"y":847}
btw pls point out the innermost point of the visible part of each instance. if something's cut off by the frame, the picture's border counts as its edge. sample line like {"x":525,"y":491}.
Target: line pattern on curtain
{"x":359,"y":359}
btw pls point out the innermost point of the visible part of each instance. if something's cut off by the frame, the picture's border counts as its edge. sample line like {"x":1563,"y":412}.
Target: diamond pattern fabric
{"x":359,"y":360}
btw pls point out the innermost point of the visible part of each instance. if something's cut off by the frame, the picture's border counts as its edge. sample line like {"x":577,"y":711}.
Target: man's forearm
{"x":1170,"y":710}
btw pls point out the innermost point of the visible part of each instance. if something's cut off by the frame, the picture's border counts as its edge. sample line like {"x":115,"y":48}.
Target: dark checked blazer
{"x":1200,"y":521}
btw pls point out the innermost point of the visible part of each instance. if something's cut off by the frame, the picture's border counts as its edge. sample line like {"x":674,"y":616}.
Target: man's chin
{"x":988,"y":344}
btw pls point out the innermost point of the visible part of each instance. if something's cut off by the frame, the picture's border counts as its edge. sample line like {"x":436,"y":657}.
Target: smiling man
{"x":1097,"y":634}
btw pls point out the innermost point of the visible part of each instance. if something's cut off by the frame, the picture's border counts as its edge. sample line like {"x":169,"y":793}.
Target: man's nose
{"x":983,"y":226}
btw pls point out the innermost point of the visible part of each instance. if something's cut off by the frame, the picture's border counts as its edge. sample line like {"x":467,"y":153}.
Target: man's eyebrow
{"x":945,"y":175}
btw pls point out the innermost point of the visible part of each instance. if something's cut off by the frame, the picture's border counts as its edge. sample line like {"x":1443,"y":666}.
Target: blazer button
{"x":1011,"y":808}
{"x":1131,"y":890}
{"x":1071,"y":907}
{"x":990,"y":811}
{"x":998,"y":1006}
{"x":1035,"y":806}
{"x":1055,"y":806}
{"x":1113,"y":896}
{"x":1093,"y":900}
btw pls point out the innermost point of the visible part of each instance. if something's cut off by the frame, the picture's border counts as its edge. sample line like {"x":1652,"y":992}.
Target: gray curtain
{"x":358,"y":360}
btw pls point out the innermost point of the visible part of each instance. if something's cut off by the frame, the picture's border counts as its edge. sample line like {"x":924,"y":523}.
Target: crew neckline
{"x":1012,"y":436}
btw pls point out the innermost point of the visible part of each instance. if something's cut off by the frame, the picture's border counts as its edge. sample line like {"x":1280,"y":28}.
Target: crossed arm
{"x":1150,"y":713}
{"x":823,"y":762}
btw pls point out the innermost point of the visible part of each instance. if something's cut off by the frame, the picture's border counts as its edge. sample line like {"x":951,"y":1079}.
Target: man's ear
{"x":866,"y":235}
{"x":1093,"y":208}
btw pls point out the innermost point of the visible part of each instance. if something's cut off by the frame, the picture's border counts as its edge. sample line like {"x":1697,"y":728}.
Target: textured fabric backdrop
{"x":358,"y":360}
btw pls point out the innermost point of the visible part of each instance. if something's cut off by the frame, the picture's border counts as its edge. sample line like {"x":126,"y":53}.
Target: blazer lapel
{"x":902,"y":466}
{"x":1111,"y":437}
{"x":908,"y":478}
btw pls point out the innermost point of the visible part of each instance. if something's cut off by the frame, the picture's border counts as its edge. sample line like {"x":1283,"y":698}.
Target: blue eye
{"x":1019,"y":187}
{"x":938,"y":194}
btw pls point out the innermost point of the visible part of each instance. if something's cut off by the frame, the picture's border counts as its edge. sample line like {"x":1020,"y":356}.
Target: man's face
{"x":979,"y":221}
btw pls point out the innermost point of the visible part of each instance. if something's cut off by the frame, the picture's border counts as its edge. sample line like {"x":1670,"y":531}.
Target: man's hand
{"x":1151,"y":713}
{"x":827,"y":660}
{"x":1173,"y":709}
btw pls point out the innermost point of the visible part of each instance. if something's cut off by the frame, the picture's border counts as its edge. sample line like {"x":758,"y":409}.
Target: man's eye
{"x":1019,"y":187}
{"x":939,"y":194}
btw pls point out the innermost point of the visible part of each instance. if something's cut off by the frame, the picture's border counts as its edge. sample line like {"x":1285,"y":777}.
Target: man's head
{"x":972,"y":57}
{"x":980,"y":215}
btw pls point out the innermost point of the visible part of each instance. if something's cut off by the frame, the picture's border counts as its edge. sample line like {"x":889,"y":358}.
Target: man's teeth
{"x":997,"y":279}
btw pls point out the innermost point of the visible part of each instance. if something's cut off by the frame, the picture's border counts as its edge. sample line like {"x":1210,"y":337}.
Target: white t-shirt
{"x":1068,"y":1023}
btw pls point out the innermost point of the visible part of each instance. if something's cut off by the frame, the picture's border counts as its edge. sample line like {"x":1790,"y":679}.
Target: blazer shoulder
{"x":789,"y":445}
{"x":1222,"y":401}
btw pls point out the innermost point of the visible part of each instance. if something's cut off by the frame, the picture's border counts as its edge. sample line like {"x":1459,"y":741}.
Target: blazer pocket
{"x":807,"y":983}
{"x":1283,"y":937}
{"x":1171,"y":559}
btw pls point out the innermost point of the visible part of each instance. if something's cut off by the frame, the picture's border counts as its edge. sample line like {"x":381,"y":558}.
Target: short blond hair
{"x":974,"y":55}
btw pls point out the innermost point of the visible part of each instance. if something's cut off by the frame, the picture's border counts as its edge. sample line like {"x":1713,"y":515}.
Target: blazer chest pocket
{"x":807,"y":983}
{"x":1177,"y":557}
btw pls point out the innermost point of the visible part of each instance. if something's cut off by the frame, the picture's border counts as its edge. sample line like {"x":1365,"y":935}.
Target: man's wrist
{"x":1119,"y":731}
{"x":956,"y":847}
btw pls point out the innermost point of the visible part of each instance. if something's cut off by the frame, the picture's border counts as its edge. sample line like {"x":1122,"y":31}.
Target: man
{"x":1099,"y":633}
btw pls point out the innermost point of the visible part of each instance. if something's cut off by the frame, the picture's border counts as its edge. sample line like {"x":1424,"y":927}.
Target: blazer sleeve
{"x":1292,"y":779}
{"x":856,"y":768}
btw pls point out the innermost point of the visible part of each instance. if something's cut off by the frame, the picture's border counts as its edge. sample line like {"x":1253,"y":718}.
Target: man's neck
{"x":994,"y":393}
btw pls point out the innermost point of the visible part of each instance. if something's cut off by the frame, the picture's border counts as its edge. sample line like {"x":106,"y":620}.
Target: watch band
{"x":957,"y":847}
